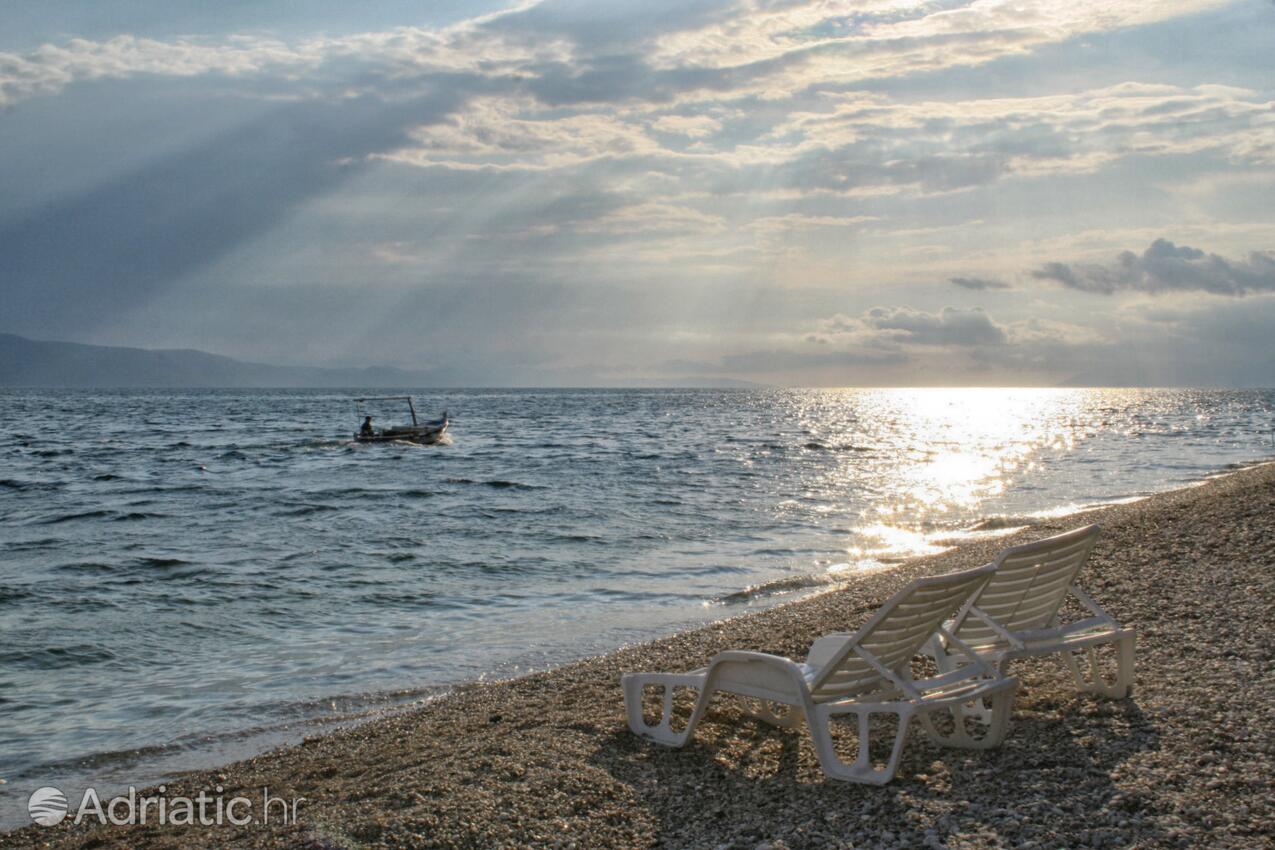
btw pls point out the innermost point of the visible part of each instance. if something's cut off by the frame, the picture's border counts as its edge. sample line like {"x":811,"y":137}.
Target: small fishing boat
{"x":430,"y":431}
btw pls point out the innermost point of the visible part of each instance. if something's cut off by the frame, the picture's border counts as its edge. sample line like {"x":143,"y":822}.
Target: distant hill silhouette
{"x":42,"y":363}
{"x":37,"y":363}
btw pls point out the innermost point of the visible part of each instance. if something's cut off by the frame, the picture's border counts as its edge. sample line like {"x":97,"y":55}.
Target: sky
{"x":591,"y":193}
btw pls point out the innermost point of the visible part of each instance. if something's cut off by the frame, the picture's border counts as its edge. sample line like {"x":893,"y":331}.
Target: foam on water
{"x":187,"y":577}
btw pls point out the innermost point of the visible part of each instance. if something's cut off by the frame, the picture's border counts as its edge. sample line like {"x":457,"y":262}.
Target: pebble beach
{"x":547,"y":760}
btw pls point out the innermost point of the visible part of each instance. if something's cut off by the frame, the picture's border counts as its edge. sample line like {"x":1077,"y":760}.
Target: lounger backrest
{"x":1029,"y":585}
{"x":895,"y":634}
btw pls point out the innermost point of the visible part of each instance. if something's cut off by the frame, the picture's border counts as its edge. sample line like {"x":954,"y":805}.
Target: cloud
{"x":1166,"y":267}
{"x":569,"y":53}
{"x":904,"y":345}
{"x":881,"y":37}
{"x":695,"y":126}
{"x":801,"y":221}
{"x":51,"y":67}
{"x":470,"y":47}
{"x":950,"y":326}
{"x":977,"y":283}
{"x":506,"y":132}
{"x":743,"y":93}
{"x":857,"y":138}
{"x":763,"y":362}
{"x":894,"y":327}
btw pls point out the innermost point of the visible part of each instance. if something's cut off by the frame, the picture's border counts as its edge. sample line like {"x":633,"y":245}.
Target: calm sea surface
{"x":192,"y":576}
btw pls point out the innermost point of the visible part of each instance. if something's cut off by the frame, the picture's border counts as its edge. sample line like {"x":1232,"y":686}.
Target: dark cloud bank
{"x":1166,"y":267}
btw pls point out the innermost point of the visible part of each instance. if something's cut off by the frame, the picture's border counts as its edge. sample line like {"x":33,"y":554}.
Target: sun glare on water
{"x":941,"y":453}
{"x":977,"y":437}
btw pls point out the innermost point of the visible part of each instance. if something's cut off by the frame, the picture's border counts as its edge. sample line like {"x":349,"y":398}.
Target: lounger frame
{"x":1017,"y":614}
{"x":862,"y":674}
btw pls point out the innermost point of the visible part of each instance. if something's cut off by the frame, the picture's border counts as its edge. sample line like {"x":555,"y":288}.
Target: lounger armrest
{"x":759,"y":674}
{"x":747,"y":655}
{"x":825,"y":647}
{"x":967,"y":674}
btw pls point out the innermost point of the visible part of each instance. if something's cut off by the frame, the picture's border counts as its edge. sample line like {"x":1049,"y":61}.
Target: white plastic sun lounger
{"x":1017,"y":614}
{"x":863,"y":674}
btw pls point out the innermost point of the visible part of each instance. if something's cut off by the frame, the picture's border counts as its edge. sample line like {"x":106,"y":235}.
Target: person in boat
{"x":366,"y":430}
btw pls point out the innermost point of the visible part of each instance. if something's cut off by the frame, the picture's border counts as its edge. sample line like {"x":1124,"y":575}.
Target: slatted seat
{"x":866,"y":673}
{"x":1018,"y":614}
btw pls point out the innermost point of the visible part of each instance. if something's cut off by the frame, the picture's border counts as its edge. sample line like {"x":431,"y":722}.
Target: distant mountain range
{"x":38,"y":363}
{"x":42,"y":363}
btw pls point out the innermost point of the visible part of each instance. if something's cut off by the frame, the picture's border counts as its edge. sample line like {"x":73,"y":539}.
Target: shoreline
{"x":148,"y":766}
{"x":115,"y":771}
{"x":547,"y":756}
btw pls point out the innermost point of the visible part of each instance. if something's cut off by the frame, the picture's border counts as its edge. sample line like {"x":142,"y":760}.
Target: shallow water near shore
{"x":190,"y":576}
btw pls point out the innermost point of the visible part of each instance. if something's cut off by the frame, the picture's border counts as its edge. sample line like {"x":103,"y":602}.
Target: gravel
{"x":547,"y":761}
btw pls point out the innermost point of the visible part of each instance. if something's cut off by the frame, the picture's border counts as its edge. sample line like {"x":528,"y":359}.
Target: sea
{"x":189,"y":577}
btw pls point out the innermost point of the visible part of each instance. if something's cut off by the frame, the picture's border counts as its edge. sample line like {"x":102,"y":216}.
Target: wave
{"x":15,"y":484}
{"x":61,"y":518}
{"x":445,"y":440}
{"x":999,"y":522}
{"x":162,"y":488}
{"x":816,"y":446}
{"x":995,"y":525}
{"x":579,"y":538}
{"x":159,"y":563}
{"x":39,"y":543}
{"x":94,"y":567}
{"x":788,"y":584}
{"x":13,"y":594}
{"x":539,"y":510}
{"x":56,"y":657}
{"x":1237,"y":465}
{"x":134,"y":516}
{"x":499,"y":484}
{"x":306,"y":510}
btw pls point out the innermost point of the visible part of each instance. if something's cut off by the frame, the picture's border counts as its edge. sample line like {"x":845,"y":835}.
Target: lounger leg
{"x":1126,"y":673}
{"x":1093,"y":681}
{"x":995,"y":718}
{"x":764,"y":710}
{"x":861,"y":770}
{"x":977,"y":710}
{"x":936,"y":649}
{"x":662,"y":732}
{"x":946,"y":663}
